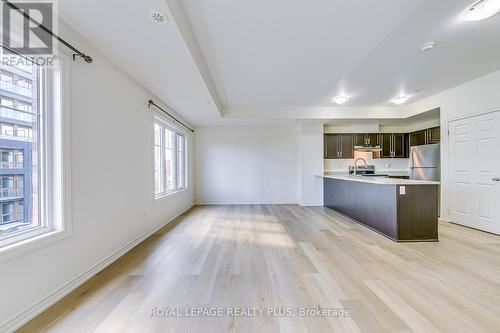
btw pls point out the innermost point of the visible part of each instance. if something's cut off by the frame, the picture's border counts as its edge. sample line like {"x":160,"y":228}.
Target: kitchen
{"x":391,"y":183}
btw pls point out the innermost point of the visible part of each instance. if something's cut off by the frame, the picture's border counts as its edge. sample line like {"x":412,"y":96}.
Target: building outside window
{"x":19,"y":149}
{"x":170,"y":158}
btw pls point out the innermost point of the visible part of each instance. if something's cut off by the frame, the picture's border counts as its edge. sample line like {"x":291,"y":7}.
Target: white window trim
{"x":158,"y":118}
{"x":58,"y":180}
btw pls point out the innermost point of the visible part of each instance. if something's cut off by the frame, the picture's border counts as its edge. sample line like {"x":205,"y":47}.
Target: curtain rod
{"x":150,"y":102}
{"x":78,"y":53}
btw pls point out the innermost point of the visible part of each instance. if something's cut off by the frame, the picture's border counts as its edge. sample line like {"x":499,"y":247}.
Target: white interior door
{"x":474,"y":164}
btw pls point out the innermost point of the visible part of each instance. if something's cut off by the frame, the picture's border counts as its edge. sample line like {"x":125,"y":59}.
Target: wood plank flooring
{"x":283,"y":257}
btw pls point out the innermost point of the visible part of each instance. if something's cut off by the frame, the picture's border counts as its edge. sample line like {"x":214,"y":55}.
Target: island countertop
{"x":376,"y":180}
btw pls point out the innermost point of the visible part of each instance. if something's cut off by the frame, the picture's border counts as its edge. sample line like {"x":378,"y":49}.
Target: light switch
{"x":402,"y":190}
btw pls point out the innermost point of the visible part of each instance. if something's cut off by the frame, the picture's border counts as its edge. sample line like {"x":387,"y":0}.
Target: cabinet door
{"x":418,"y":138}
{"x":434,"y":135}
{"x":373,"y":139}
{"x":346,"y":146}
{"x":331,"y":146}
{"x":359,"y":140}
{"x":386,"y":145}
{"x":398,"y":145}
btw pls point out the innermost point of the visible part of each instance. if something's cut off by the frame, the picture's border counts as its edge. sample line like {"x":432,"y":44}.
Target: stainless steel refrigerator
{"x":425,"y":162}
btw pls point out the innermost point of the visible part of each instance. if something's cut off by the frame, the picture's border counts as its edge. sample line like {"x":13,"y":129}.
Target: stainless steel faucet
{"x":356,"y":165}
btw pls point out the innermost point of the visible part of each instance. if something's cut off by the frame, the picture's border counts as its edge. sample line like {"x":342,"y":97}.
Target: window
{"x":170,"y":158}
{"x":33,"y":158}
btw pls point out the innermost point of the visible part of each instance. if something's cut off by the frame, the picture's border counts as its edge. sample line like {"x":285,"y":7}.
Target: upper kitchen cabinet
{"x":370,"y":139}
{"x":386,"y":145}
{"x":399,"y":145}
{"x":418,"y":138}
{"x":339,"y":146}
{"x":331,"y":146}
{"x":393,"y":145}
{"x":346,"y":146}
{"x":434,"y":135}
{"x":426,"y":136}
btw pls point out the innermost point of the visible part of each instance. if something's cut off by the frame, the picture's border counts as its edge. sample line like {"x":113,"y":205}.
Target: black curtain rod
{"x":78,"y":53}
{"x":150,"y":102}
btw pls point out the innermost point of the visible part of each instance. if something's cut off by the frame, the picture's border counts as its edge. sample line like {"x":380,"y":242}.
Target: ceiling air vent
{"x":158,"y":17}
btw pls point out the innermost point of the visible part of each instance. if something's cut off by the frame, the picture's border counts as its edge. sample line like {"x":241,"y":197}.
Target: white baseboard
{"x":242,"y":203}
{"x":37,"y":308}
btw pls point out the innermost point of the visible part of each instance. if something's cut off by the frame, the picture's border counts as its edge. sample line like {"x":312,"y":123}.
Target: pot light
{"x":400,"y":100}
{"x":482,"y":10}
{"x":340,"y":99}
{"x":427,"y":46}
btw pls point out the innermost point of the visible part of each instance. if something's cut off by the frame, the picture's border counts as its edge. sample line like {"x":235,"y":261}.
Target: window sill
{"x":169,"y":193}
{"x":11,"y":251}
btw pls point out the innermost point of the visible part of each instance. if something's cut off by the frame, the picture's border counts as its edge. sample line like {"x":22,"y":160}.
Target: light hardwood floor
{"x":289,"y":256}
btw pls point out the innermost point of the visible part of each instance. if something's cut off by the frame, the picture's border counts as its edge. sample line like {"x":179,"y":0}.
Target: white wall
{"x":311,"y":164}
{"x":479,"y":95}
{"x":253,"y":164}
{"x":112,"y":184}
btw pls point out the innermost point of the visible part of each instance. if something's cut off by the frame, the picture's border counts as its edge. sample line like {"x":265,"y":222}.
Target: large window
{"x":32,"y":160}
{"x":170,"y":158}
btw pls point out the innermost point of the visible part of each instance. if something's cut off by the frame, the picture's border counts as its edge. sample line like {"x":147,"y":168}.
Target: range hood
{"x":369,"y":149}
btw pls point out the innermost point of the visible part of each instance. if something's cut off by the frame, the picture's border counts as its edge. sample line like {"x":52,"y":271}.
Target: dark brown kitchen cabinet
{"x":339,"y":146}
{"x":398,"y":145}
{"x":331,"y":146}
{"x":418,"y":138}
{"x":434,"y":135}
{"x":386,"y":145}
{"x":425,"y":137}
{"x":346,"y":146}
{"x":393,"y":145}
{"x":370,"y":139}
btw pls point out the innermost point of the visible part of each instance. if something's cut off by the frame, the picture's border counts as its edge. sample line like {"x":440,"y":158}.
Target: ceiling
{"x":279,"y":59}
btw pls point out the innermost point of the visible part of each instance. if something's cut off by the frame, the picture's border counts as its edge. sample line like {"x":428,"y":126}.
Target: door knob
{"x":496,"y":179}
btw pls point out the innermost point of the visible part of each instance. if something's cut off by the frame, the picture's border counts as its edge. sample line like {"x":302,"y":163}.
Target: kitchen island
{"x":404,"y":210}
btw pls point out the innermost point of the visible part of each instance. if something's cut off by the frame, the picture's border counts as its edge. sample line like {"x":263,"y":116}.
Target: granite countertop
{"x":378,"y":180}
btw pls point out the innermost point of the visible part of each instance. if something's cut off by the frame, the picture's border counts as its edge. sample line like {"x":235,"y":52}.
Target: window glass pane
{"x":19,"y":150}
{"x":157,"y":134}
{"x":169,"y":169}
{"x":169,"y":139}
{"x":158,"y":177}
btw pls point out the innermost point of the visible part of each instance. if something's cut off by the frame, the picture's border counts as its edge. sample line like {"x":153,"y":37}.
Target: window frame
{"x":54,"y":147}
{"x":165,"y":124}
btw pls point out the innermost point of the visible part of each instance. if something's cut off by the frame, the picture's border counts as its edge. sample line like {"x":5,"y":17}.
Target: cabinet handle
{"x":496,"y":179}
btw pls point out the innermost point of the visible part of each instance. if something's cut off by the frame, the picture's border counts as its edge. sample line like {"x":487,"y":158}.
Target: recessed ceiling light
{"x":400,"y":100}
{"x":158,"y":17}
{"x":340,"y":99}
{"x":427,"y":46}
{"x":482,"y":10}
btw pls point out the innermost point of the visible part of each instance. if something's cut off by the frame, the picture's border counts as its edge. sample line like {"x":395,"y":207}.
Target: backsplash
{"x":383,"y":164}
